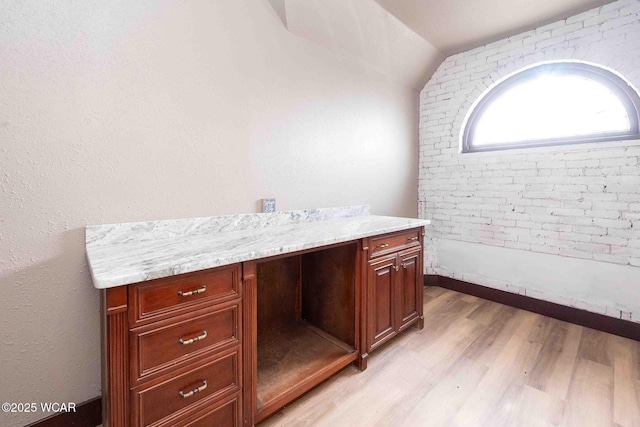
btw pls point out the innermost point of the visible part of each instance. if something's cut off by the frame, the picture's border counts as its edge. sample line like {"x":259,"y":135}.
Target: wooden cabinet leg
{"x":420,"y":323}
{"x":362,"y":361}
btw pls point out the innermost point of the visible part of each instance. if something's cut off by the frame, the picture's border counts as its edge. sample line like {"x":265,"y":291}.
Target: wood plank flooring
{"x":480,"y":363}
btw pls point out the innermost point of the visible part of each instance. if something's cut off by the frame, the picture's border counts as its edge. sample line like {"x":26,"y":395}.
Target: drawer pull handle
{"x":383,"y":245}
{"x":194,"y":391}
{"x":194,"y":339}
{"x":412,"y":239}
{"x":194,"y":292}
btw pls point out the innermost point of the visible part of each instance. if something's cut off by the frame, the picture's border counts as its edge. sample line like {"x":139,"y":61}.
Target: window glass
{"x":553,"y":104}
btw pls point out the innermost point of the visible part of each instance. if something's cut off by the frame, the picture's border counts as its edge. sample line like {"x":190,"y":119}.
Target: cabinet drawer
{"x":165,"y":402}
{"x":223,"y":414}
{"x":169,"y":343}
{"x":387,"y":243}
{"x":161,"y":298}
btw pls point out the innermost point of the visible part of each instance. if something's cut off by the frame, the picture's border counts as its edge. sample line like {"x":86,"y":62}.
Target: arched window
{"x":552,"y":104}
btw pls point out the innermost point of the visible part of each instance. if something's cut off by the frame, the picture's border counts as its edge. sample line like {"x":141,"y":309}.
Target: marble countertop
{"x":121,"y":254}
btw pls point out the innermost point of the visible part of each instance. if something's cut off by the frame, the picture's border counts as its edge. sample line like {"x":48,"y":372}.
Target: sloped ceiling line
{"x":406,"y":40}
{"x":365,"y":32}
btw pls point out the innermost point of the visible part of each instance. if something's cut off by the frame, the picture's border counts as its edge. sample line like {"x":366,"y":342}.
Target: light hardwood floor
{"x":479,"y":363}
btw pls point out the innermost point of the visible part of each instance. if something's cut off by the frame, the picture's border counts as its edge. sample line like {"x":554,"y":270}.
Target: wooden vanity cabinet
{"x":381,"y":301}
{"x":393,"y":291}
{"x":409,"y":291}
{"x":232,"y":345}
{"x":173,"y":351}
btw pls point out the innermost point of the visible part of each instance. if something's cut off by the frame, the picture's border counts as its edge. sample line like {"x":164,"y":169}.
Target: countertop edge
{"x":168,"y":271}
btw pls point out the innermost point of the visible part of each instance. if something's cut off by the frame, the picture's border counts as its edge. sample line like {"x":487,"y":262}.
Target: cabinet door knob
{"x":396,"y":268}
{"x":194,"y":292}
{"x":194,"y":391}
{"x":194,"y":339}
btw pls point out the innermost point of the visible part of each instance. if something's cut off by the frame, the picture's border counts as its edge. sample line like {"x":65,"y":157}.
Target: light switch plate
{"x":268,"y":205}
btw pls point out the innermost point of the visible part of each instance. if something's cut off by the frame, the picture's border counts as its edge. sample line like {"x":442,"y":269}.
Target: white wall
{"x":560,"y":223}
{"x":132,"y":110}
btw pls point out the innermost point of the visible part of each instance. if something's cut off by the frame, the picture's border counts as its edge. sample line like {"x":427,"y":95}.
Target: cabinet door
{"x":382,"y":306}
{"x":409,"y":297}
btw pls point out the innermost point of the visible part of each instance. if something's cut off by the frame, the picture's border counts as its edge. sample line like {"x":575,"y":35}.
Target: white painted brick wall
{"x":578,"y":201}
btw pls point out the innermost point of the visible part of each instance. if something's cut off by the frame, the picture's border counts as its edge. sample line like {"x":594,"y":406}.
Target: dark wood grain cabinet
{"x":232,"y":345}
{"x":409,"y":290}
{"x":173,"y":351}
{"x":393,"y":287}
{"x":381,"y":304}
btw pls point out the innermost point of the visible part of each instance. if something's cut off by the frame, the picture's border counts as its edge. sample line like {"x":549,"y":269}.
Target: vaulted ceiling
{"x":456,"y":25}
{"x":408,"y":39}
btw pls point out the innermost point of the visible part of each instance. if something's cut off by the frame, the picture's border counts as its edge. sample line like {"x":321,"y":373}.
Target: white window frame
{"x":620,"y":87}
